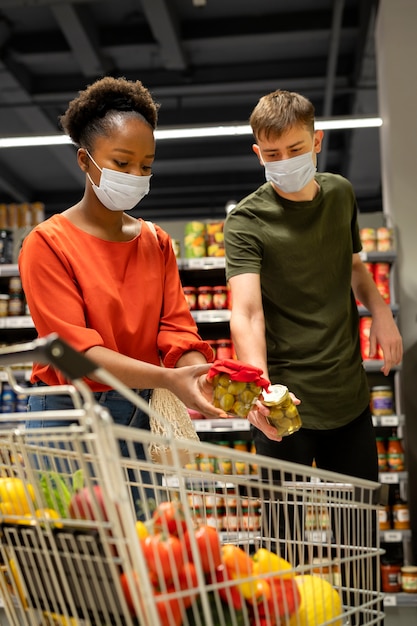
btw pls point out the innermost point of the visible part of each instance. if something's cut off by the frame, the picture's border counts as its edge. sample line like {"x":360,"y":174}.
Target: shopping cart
{"x":93,"y":535}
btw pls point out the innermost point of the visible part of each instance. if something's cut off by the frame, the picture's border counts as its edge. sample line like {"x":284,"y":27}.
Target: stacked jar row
{"x":13,"y":302}
{"x":207,"y":298}
{"x":226,"y":511}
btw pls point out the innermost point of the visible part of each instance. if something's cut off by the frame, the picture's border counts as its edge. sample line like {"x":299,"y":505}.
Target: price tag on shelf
{"x":240,"y":424}
{"x":392,"y":536}
{"x":389,"y":420}
{"x":389,"y":478}
{"x":390,"y":600}
{"x":203,"y":425}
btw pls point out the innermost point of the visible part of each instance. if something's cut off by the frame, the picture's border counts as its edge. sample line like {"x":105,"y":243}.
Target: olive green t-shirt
{"x":303,"y":253}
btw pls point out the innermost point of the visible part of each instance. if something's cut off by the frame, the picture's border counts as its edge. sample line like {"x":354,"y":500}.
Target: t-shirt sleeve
{"x":243,"y":245}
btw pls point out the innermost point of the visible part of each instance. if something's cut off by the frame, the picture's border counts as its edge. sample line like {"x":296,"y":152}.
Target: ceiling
{"x":205,"y":62}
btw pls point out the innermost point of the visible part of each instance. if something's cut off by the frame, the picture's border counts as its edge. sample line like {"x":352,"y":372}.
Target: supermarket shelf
{"x":400,"y":599}
{"x":392,"y":478}
{"x":211,"y":317}
{"x":363,"y":311}
{"x":239,"y":537}
{"x":9,"y":269}
{"x":203,"y":263}
{"x":388,"y":420}
{"x":221,"y":425}
{"x":374,"y":365}
{"x":19,"y":321}
{"x":19,"y":373}
{"x":378,"y":257}
{"x":394,"y":536}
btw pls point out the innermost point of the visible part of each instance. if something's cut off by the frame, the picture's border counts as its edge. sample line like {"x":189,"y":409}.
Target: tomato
{"x":169,"y":517}
{"x":285,"y":598}
{"x":169,"y":609}
{"x":124,"y":581}
{"x":231,"y":595}
{"x":17,"y":494}
{"x":208,"y":546}
{"x":188,"y":579}
{"x":164,"y":555}
{"x":237,"y":561}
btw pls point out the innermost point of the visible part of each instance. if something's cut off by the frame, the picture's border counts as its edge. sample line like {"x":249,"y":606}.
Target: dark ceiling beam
{"x":81,"y":35}
{"x":13,"y":185}
{"x":165,"y":28}
{"x":331,"y":73}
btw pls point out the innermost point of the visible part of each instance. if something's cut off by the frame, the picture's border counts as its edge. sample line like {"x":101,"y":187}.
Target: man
{"x":293,"y":266}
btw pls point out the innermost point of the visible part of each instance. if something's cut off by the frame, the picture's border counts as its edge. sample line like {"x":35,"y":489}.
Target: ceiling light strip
{"x":202,"y":132}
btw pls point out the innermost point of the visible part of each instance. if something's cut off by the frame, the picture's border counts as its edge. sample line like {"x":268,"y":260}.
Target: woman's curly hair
{"x":93,"y":112}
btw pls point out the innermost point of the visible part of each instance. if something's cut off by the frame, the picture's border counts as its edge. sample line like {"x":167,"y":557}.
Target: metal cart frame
{"x":68,"y":571}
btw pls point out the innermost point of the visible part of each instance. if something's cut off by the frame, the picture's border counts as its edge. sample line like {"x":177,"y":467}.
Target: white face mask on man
{"x":290,"y":175}
{"x":119,"y":191}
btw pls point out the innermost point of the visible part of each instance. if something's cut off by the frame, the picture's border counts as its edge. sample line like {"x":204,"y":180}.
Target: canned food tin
{"x":283,"y":412}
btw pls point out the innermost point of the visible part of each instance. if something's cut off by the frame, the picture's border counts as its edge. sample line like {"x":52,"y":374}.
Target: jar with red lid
{"x":205,"y":298}
{"x":191,"y":297}
{"x":220,"y":297}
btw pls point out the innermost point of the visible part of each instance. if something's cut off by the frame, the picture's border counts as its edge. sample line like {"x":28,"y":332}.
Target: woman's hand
{"x":191,"y":386}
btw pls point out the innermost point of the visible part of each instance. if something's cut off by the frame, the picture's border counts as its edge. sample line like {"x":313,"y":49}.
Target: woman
{"x":101,"y":279}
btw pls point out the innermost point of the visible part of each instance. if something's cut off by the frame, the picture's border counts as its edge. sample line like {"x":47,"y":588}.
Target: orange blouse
{"x":125,"y":296}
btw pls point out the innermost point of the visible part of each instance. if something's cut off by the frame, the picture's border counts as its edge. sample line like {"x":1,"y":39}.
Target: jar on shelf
{"x":395,"y":454}
{"x":4,"y":304}
{"x":391,"y":576}
{"x":220,"y":297}
{"x":384,"y":517}
{"x":224,"y":349}
{"x":16,"y":305}
{"x":382,"y":455}
{"x":382,"y":400}
{"x":409,"y":578}
{"x":191,"y":297}
{"x":400,"y":512}
{"x":205,"y":298}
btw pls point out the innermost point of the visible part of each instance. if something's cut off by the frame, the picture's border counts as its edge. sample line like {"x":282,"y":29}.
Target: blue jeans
{"x":123,"y":413}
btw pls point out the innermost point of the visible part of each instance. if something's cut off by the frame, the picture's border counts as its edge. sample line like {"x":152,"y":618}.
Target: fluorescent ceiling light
{"x":188,"y":132}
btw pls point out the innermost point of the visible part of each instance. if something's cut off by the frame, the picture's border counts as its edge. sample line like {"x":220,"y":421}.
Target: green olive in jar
{"x":234,"y":397}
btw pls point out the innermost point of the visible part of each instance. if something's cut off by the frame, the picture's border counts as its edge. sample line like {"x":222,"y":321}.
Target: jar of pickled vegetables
{"x":236,"y":386}
{"x":283,"y":412}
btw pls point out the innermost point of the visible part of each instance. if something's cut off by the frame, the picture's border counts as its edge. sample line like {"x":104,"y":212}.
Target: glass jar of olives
{"x":236,"y":386}
{"x":283,"y":412}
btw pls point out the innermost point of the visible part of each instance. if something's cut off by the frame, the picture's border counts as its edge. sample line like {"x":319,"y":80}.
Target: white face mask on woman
{"x":119,"y":191}
{"x":291,"y":175}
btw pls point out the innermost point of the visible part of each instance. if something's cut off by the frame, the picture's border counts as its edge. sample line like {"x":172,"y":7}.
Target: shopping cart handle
{"x":51,"y":350}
